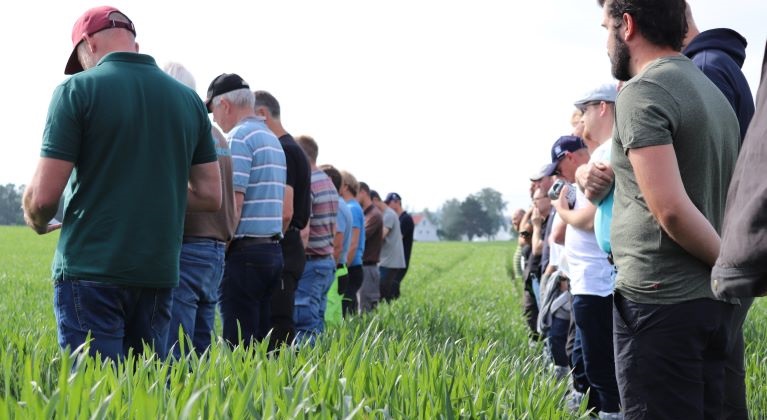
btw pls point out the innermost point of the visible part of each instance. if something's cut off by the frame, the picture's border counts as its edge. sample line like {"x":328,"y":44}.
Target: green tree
{"x":493,"y":205}
{"x":10,"y":205}
{"x":451,"y":225}
{"x":475,"y":218}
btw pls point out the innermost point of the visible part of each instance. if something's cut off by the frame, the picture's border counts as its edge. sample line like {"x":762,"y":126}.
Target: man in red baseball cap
{"x":135,"y":148}
{"x":84,"y":41}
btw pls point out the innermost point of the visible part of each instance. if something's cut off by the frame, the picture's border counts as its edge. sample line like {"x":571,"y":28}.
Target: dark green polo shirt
{"x":132,"y":133}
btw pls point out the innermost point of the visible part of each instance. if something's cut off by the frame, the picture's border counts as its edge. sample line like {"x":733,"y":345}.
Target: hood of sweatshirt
{"x":726,"y":40}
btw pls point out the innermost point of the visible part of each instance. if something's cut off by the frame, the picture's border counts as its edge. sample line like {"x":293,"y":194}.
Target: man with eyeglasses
{"x":134,"y":148}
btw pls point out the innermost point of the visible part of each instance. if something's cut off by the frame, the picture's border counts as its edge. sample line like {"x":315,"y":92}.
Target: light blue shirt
{"x":344,"y":224}
{"x":259,"y":168}
{"x":358,"y":221}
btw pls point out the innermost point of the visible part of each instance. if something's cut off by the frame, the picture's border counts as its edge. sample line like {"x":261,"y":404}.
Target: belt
{"x":316,"y":257}
{"x":198,"y":239}
{"x":249,"y":240}
{"x":369,"y":262}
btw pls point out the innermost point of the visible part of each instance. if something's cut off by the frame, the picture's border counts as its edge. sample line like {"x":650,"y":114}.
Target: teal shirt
{"x":132,"y":133}
{"x":604,"y":214}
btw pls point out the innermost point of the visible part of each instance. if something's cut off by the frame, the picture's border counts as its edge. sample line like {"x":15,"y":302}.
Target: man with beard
{"x":675,"y":143}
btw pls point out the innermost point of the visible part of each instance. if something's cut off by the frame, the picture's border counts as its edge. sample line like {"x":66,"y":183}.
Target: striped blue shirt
{"x":259,"y":168}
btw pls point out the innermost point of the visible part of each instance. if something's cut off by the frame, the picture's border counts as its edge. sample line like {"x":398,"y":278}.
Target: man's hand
{"x":596,"y":179}
{"x":561,"y":203}
{"x":535,"y":218}
{"x":41,"y":229}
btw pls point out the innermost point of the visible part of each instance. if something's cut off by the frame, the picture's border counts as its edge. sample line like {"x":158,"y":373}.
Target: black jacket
{"x":720,"y":53}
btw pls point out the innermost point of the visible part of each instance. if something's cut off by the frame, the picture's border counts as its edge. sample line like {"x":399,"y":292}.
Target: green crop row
{"x":454,"y":346}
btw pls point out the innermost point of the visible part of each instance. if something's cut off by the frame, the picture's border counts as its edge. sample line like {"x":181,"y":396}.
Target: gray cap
{"x":540,"y":173}
{"x":606,"y":92}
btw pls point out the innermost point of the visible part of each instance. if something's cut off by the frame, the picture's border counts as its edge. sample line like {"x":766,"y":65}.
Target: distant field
{"x":454,"y":345}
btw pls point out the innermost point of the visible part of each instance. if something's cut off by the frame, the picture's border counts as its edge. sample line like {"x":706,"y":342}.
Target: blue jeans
{"x":250,"y":274}
{"x":194,"y":300}
{"x":593,"y":355}
{"x":117,"y":317}
{"x":312,"y":297}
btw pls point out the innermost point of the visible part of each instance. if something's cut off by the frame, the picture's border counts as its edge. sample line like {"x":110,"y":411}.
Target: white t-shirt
{"x":555,"y":249}
{"x":589,"y":271}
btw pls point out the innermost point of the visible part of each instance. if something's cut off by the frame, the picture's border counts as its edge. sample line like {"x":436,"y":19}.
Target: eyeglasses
{"x":525,"y":234}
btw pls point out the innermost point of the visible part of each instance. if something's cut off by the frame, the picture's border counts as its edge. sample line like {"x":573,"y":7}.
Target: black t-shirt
{"x":407,"y":227}
{"x":298,"y":177}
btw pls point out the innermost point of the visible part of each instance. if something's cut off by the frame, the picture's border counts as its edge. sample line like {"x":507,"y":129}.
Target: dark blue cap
{"x":560,"y":148}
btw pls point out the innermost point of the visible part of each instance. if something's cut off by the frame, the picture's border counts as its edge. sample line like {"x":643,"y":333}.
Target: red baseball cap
{"x":95,"y":20}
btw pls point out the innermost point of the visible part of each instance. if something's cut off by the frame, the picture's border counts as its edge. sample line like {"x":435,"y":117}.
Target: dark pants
{"x":283,"y":296}
{"x":388,"y":282}
{"x":593,"y":350}
{"x":670,"y":358}
{"x":734,"y":369}
{"x":251,"y":273}
{"x":118,"y":318}
{"x":353,"y":283}
{"x":398,"y":281}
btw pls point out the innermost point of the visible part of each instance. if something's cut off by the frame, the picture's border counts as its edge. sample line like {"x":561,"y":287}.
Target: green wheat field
{"x":454,"y":346}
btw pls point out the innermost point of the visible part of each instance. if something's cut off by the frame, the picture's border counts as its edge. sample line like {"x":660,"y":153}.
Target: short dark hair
{"x":662,"y":22}
{"x":266,"y":99}
{"x":334,"y":175}
{"x":364,"y":187}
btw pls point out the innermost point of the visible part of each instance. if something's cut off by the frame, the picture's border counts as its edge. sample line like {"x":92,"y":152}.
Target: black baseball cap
{"x":224,"y":83}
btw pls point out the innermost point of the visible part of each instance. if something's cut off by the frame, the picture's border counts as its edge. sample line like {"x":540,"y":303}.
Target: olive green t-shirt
{"x":669,"y":102}
{"x":132,"y":133}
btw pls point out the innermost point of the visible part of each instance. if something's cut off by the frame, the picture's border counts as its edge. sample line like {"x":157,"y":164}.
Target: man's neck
{"x":642,"y":58}
{"x":276,"y":127}
{"x":243,"y":114}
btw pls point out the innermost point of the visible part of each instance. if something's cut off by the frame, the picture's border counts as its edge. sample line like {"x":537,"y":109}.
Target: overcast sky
{"x":431,"y":99}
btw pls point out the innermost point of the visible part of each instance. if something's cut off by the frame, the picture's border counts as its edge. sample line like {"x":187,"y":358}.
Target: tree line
{"x":10,"y":204}
{"x":478,"y":215}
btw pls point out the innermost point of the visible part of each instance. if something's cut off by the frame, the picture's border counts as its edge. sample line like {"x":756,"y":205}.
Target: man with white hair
{"x":201,"y":265}
{"x":254,"y":258}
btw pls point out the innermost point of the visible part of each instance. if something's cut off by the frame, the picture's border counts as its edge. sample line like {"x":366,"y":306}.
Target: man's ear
{"x":90,"y":41}
{"x":628,"y":27}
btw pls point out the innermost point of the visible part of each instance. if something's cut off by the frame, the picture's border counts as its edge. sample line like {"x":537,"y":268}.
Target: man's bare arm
{"x":657,"y":174}
{"x":355,"y":241}
{"x":42,"y":195}
{"x":581,"y":218}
